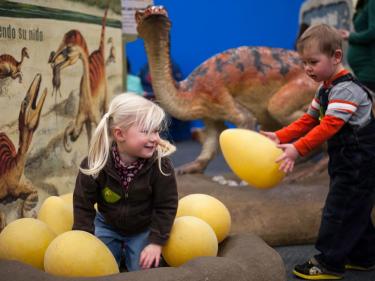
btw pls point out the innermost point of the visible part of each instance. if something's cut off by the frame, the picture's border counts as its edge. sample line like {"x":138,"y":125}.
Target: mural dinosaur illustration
{"x":112,"y":52}
{"x":235,"y":85}
{"x":10,"y":67}
{"x":93,"y":87}
{"x":13,"y":185}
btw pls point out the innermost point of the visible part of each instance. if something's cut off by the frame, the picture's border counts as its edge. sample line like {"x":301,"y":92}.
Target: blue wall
{"x":202,"y":28}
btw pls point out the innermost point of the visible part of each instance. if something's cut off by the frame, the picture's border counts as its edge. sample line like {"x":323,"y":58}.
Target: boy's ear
{"x":338,"y":55}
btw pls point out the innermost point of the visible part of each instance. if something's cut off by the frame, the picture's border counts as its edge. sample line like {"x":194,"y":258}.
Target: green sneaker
{"x":312,"y":270}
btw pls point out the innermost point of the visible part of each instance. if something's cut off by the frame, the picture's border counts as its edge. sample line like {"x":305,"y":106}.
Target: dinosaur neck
{"x":21,"y":61}
{"x":163,"y":84}
{"x":85,"y":81}
{"x":23,"y":146}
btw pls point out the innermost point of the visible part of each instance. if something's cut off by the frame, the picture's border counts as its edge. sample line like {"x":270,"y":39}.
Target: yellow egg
{"x":251,"y":156}
{"x":26,"y":240}
{"x":190,"y":238}
{"x":57,"y":214}
{"x":68,"y":198}
{"x":209,"y":209}
{"x":79,"y":254}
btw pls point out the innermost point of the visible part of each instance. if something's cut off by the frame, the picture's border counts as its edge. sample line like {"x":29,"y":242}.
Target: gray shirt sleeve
{"x":349,"y":102}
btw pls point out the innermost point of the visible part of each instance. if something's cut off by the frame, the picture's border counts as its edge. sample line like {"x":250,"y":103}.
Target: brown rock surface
{"x":285,"y":215}
{"x":243,"y":257}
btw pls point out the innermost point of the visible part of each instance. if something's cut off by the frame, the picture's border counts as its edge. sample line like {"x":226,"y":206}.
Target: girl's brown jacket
{"x":149,"y":202}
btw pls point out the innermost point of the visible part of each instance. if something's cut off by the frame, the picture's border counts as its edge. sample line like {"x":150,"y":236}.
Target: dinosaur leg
{"x":73,"y":130}
{"x":17,"y":75}
{"x":88,"y":126}
{"x":209,"y":149}
{"x":30,"y":195}
{"x":235,"y":113}
{"x":292,"y":100}
{"x":240,"y":116}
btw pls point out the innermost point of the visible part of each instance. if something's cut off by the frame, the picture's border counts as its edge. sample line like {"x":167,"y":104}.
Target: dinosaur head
{"x":30,"y":110}
{"x":69,"y":51}
{"x":64,"y":57}
{"x":67,"y":54}
{"x":149,"y":19}
{"x":25,"y":53}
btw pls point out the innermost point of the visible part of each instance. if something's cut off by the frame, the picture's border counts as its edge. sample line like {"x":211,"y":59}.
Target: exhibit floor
{"x":291,"y":255}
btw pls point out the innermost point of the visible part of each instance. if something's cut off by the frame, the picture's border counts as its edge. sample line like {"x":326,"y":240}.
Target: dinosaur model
{"x":93,"y":100}
{"x":235,"y":85}
{"x":10,"y":67}
{"x":13,"y":185}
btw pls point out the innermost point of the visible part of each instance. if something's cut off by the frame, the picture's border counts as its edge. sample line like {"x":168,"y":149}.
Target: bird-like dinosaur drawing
{"x":10,"y":67}
{"x":13,"y":185}
{"x":235,"y":85}
{"x":112,"y":52}
{"x":93,"y":87}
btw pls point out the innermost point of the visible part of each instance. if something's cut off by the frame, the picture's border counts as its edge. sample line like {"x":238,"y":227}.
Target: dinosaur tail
{"x":102,"y":35}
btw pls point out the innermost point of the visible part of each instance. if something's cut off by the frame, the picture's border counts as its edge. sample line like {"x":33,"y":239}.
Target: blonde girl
{"x":128,"y":174}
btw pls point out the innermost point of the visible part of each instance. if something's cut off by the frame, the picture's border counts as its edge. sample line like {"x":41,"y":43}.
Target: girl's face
{"x":133,"y":143}
{"x":319,"y":66}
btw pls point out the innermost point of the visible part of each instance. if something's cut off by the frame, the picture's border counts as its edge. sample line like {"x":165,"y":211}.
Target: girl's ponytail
{"x":99,"y":147}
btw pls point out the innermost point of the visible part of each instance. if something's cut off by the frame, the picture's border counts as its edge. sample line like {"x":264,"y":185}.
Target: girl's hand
{"x":271,"y":135}
{"x":288,"y":158}
{"x":150,"y":256}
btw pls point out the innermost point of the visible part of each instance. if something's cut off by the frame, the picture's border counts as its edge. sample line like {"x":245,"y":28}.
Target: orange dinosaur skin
{"x":9,"y":67}
{"x":93,"y":87}
{"x":235,"y":85}
{"x":12,"y":163}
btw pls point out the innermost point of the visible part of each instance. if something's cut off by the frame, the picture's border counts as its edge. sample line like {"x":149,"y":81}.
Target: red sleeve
{"x":297,"y":129}
{"x":328,"y":126}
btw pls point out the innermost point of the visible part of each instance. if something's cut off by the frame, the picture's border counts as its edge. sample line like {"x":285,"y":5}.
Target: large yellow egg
{"x":68,"y":198}
{"x":190,"y":238}
{"x":251,"y":156}
{"x":78,"y":253}
{"x":209,"y":209}
{"x":26,"y":240}
{"x":57,"y":214}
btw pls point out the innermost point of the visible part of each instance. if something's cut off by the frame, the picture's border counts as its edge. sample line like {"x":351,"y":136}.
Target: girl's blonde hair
{"x":124,"y":111}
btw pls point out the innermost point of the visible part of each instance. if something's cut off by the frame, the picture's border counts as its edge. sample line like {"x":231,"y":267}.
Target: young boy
{"x":340,"y":113}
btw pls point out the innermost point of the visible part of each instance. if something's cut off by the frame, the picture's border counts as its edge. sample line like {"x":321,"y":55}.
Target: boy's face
{"x":319,"y":66}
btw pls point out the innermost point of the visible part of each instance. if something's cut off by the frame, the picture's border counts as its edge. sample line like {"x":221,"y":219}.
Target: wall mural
{"x":58,"y":69}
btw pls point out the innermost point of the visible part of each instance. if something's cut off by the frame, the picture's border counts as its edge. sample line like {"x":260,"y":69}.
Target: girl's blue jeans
{"x":119,"y":244}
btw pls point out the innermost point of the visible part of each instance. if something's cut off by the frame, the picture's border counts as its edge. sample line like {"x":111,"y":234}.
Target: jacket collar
{"x":111,"y":169}
{"x":328,"y":83}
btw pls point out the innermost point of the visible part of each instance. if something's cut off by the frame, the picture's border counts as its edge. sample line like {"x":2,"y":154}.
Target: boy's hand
{"x":150,"y":256}
{"x":271,"y":135}
{"x":288,"y":158}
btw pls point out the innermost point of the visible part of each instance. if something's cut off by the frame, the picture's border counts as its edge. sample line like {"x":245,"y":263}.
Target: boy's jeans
{"x":133,"y":244}
{"x":346,"y":231}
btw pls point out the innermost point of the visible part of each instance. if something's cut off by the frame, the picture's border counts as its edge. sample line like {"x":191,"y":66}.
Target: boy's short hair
{"x":327,"y":38}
